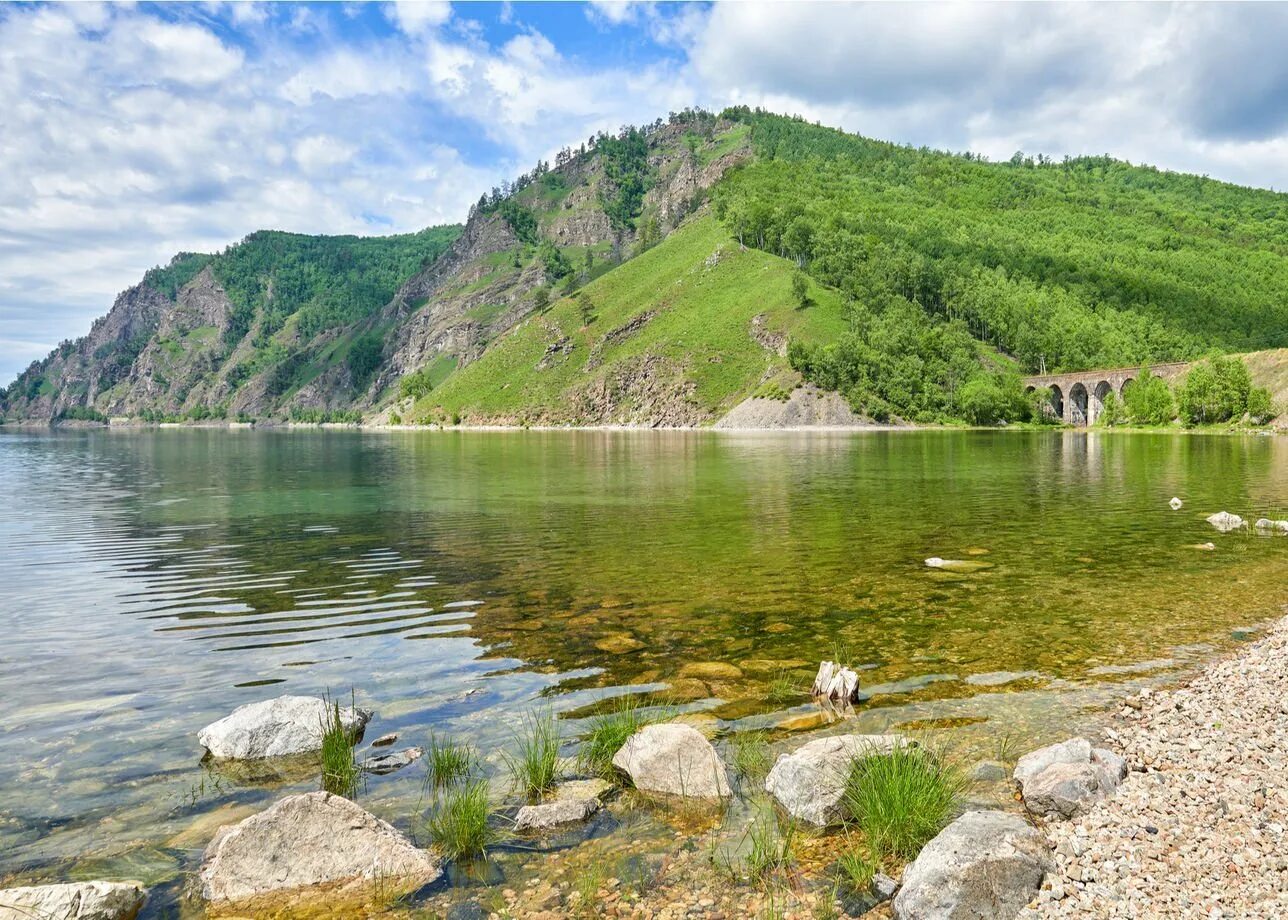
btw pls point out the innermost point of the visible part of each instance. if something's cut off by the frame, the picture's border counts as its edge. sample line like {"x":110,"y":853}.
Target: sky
{"x":131,"y":132}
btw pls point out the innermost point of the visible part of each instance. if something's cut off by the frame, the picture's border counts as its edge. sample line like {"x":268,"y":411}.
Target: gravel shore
{"x":1198,"y":827}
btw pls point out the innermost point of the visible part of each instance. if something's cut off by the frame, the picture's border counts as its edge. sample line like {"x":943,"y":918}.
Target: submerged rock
{"x":810,"y":781}
{"x":961,"y":566}
{"x":552,"y":814}
{"x":986,"y":864}
{"x":307,"y":840}
{"x":74,"y":901}
{"x":711,"y":670}
{"x":381,"y":764}
{"x":1066,"y":779}
{"x":1176,"y":504}
{"x":276,"y":728}
{"x":1225,"y":522}
{"x":1265,"y":525}
{"x":673,"y":759}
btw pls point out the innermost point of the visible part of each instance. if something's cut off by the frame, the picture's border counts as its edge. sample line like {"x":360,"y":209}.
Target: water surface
{"x":154,"y":580}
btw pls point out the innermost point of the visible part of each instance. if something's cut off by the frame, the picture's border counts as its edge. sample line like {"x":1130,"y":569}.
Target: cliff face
{"x":253,"y":332}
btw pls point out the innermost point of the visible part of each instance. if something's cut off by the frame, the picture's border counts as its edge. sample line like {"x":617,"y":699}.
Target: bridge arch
{"x":1078,"y":404}
{"x":1057,"y":401}
{"x":1122,"y":390}
{"x":1104,"y":389}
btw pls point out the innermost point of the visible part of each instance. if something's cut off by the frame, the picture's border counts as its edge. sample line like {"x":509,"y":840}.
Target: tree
{"x":981,"y":402}
{"x":364,"y":357}
{"x":1148,"y":400}
{"x":1260,"y":409}
{"x":1214,"y":391}
{"x":800,"y":289}
{"x":553,"y":262}
{"x":1112,"y":411}
{"x":585,"y":308}
{"x":541,"y":298}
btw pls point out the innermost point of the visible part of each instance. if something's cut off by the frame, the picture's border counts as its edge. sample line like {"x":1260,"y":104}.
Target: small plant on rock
{"x":448,"y":762}
{"x":536,"y":765}
{"x":607,"y":734}
{"x":340,"y":773}
{"x":461,"y":821}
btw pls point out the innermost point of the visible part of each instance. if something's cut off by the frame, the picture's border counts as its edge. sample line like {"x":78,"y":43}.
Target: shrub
{"x":1215,"y":391}
{"x":1112,"y":412}
{"x":1148,"y":400}
{"x":536,"y":764}
{"x":902,"y":799}
{"x":607,"y":734}
{"x":461,"y":822}
{"x":1260,"y":408}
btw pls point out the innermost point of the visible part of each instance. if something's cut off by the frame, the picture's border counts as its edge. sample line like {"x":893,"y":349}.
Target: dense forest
{"x":946,"y":260}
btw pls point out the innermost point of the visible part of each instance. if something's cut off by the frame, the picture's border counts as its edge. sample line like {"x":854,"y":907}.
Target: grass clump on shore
{"x":448,"y":762}
{"x":857,"y":867}
{"x":770,"y":848}
{"x":607,"y":734}
{"x":340,"y":773}
{"x":461,"y":821}
{"x":902,"y":799}
{"x":536,"y":765}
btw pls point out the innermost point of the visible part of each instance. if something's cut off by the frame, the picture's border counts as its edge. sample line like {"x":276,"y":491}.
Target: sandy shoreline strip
{"x":1198,"y":827}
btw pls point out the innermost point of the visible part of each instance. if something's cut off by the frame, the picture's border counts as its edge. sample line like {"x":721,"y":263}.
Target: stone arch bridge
{"x":1079,"y":398}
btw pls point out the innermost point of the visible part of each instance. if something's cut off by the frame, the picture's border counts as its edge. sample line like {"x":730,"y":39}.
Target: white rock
{"x":836,"y":683}
{"x":275,"y":728}
{"x":674,"y":759}
{"x":1075,"y":750}
{"x":986,"y":864}
{"x":809,"y":782}
{"x":306,"y":840}
{"x":1064,"y":790}
{"x":552,"y":814}
{"x":1226,"y":522}
{"x":1176,"y":503}
{"x":380,"y":764}
{"x":75,"y":901}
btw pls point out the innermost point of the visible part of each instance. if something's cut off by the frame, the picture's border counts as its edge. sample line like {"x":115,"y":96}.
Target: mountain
{"x":666,"y":274}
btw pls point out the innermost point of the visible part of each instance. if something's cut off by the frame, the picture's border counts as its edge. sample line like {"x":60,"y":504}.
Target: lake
{"x":455,"y":582}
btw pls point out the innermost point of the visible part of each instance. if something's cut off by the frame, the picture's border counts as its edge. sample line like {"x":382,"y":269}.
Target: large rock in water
{"x":306,"y":840}
{"x":276,"y":728}
{"x":1225,"y":522}
{"x":1066,"y":779}
{"x":673,"y":759}
{"x":810,"y":781}
{"x":74,"y":901}
{"x":985,"y":865}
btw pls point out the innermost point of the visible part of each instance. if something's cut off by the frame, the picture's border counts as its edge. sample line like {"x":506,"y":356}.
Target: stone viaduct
{"x":1079,"y":398}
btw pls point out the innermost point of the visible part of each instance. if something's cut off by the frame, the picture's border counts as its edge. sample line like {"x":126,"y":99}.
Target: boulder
{"x":1066,"y":779}
{"x":380,"y":764}
{"x":275,"y":728}
{"x":810,"y":781}
{"x":551,"y":814}
{"x":306,"y":840}
{"x":1075,"y":750}
{"x":75,"y":901}
{"x":1225,"y":522}
{"x":986,"y":865}
{"x":674,"y":759}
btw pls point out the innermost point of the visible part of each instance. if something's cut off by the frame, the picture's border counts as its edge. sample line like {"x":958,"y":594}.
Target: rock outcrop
{"x":279,"y":727}
{"x":673,"y":759}
{"x":73,"y":901}
{"x":809,"y":782}
{"x":986,"y":865}
{"x":308,"y":840}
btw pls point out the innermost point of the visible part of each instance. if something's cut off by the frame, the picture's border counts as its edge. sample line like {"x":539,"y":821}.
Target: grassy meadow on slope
{"x":695,"y":297}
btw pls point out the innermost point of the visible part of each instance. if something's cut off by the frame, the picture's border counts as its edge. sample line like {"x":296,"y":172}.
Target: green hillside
{"x":675,"y":323}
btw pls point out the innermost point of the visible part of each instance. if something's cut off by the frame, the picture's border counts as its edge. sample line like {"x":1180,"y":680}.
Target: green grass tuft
{"x":902,"y":799}
{"x":857,"y":867}
{"x":448,"y":762}
{"x":751,"y":759}
{"x":783,"y":689}
{"x":340,"y":773}
{"x":770,"y":845}
{"x":608,"y":732}
{"x":536,"y":765}
{"x":461,"y":821}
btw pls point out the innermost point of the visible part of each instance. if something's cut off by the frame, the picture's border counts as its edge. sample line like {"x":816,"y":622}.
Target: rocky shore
{"x":1197,"y":829}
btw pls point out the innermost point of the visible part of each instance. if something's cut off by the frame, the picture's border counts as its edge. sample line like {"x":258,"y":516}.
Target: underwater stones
{"x":1225,"y":522}
{"x":385,"y":740}
{"x":275,"y":728}
{"x":686,"y":689}
{"x":381,"y":764}
{"x":1064,"y":780}
{"x":959,"y":566}
{"x":809,"y":782}
{"x":619,"y":644}
{"x":988,"y":771}
{"x":986,"y":864}
{"x":711,"y":670}
{"x":673,"y":759}
{"x":308,"y":840}
{"x":1176,"y":504}
{"x":74,"y":901}
{"x":1267,"y":526}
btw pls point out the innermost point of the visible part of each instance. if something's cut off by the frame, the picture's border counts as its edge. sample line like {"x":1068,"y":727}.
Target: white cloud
{"x":416,"y":17}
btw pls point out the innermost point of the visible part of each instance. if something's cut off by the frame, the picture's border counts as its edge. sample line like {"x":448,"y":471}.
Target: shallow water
{"x":154,"y":580}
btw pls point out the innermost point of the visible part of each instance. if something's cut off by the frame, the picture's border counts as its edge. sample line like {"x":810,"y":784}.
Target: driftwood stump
{"x":836,"y":684}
